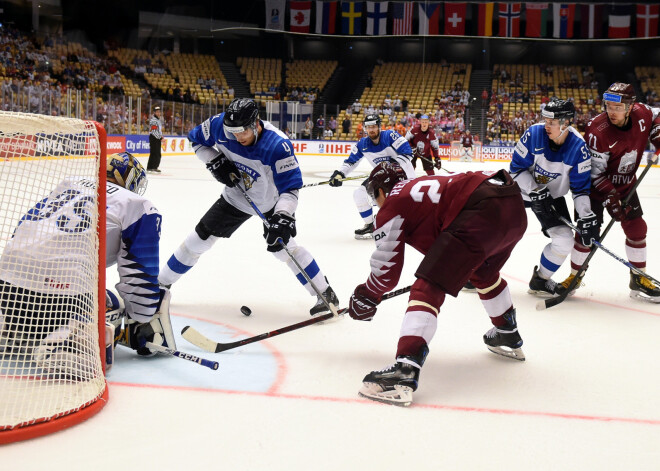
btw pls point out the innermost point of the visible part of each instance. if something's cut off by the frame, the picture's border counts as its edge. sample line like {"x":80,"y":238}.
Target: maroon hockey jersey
{"x":418,"y":138}
{"x":414,"y":213}
{"x":617,"y":152}
{"x":466,"y":141}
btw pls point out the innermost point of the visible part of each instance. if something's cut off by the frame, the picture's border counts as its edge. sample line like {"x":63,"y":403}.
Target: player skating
{"x":466,"y":225}
{"x":617,"y":139}
{"x":378,"y":146}
{"x":549,"y":159}
{"x":240,"y":149}
{"x":425,"y":146}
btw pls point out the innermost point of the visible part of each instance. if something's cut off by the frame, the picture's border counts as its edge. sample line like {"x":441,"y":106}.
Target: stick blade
{"x":197,"y":339}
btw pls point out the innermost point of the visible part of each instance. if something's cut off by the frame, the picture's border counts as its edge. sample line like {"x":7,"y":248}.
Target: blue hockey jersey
{"x":391,"y":147}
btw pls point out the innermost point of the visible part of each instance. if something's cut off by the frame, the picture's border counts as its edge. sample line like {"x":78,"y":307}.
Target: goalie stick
{"x":612,"y":254}
{"x":196,"y":338}
{"x":184,"y":356}
{"x":327,"y":182}
{"x":550,"y":302}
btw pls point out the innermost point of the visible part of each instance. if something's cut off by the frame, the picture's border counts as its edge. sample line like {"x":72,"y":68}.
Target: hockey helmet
{"x":559,"y":109}
{"x":371,"y":120}
{"x":383,"y":177}
{"x":620,"y":93}
{"x":241,"y":114}
{"x":128,"y":172}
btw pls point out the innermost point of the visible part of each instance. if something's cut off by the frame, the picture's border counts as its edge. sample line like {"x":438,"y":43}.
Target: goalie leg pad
{"x":158,"y":330}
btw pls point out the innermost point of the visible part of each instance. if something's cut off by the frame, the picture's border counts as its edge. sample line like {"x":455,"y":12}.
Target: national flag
{"x":429,"y":18}
{"x":275,"y":14}
{"x":326,"y":17}
{"x":485,"y":16}
{"x":402,"y":13}
{"x":619,"y":22}
{"x":591,"y":24}
{"x":537,"y":20}
{"x":647,"y":20}
{"x":300,"y":12}
{"x":509,"y":19}
{"x":351,"y":18}
{"x":455,"y":14}
{"x":563,"y":19}
{"x":376,"y":18}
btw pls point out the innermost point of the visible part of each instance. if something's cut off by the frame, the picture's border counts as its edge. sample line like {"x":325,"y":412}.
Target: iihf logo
{"x":321,"y":148}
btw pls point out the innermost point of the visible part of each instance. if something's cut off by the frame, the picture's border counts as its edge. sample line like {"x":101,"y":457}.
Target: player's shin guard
{"x":184,"y":258}
{"x":306,"y":261}
{"x":363,"y":204}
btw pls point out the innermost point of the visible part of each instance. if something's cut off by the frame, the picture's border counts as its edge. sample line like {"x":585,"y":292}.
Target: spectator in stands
{"x":484,"y":98}
{"x":320,"y":127}
{"x":346,"y":125}
{"x":357,"y":106}
{"x":327,"y":133}
{"x":307,"y":130}
{"x":404,"y":104}
{"x":333,"y":124}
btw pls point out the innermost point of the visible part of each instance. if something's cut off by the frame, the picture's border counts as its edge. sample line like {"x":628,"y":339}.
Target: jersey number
{"x":426,"y":187}
{"x":61,"y":204}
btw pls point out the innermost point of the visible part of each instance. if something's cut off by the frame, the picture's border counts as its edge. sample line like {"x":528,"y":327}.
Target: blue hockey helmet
{"x":128,"y":172}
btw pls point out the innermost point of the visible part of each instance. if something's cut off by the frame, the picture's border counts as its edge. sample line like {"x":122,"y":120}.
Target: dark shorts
{"x":479,"y":241}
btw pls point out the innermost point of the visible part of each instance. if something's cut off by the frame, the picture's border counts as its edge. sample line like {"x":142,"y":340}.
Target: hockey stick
{"x":612,"y":254}
{"x":550,"y":302}
{"x":330,"y":307}
{"x":196,"y":338}
{"x":184,"y":356}
{"x":433,"y":163}
{"x":327,"y":182}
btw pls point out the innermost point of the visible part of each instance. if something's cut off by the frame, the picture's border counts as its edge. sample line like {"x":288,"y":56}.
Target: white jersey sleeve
{"x":132,"y":242}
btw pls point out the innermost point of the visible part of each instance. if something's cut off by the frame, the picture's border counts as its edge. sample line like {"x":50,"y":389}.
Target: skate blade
{"x":469,"y":290}
{"x":364,"y":236}
{"x":543,"y":294}
{"x":399,"y":396}
{"x":644,"y":297}
{"x":513,"y":353}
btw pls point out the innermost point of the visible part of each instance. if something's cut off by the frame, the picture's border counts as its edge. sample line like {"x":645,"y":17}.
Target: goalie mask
{"x":241,"y":114}
{"x":128,"y":172}
{"x":384,"y":177}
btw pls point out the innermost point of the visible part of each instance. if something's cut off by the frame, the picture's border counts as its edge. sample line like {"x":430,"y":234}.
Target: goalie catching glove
{"x":282,"y":227}
{"x":158,"y":330}
{"x":223,"y":170}
{"x":362,"y":306}
{"x":337,"y":178}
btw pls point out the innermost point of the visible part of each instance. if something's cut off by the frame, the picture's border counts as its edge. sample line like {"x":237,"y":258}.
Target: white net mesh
{"x":50,"y":361}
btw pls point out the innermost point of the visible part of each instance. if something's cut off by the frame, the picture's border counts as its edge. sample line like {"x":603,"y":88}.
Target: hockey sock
{"x":496,"y":299}
{"x":363,"y":204}
{"x":636,"y":253}
{"x":184,"y":258}
{"x":305,"y":259}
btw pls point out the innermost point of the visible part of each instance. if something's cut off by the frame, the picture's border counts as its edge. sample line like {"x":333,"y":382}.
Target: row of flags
{"x":377,"y":18}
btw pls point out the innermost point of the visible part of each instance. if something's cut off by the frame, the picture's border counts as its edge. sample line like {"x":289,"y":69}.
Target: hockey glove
{"x":588,"y":228}
{"x":613,"y":205}
{"x":282,"y":227}
{"x":541,"y":202}
{"x":224,"y":170}
{"x":337,"y":178}
{"x":362,"y":306}
{"x":438,"y":164}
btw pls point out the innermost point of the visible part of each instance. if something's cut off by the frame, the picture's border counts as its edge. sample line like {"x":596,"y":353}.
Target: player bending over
{"x":466,"y":225}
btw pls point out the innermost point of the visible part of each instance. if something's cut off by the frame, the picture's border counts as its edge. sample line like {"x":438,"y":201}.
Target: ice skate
{"x":367,"y":232}
{"x":320,"y":307}
{"x":392,"y":385}
{"x":469,"y":288}
{"x":505,"y":340}
{"x":561,"y":288}
{"x":643,"y":288}
{"x":542,"y":287}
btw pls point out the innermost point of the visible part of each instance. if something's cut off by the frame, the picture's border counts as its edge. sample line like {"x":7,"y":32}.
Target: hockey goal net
{"x":52,"y":273}
{"x":458,"y":153}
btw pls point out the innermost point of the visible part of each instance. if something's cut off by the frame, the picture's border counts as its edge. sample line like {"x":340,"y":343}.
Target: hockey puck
{"x":246,"y":310}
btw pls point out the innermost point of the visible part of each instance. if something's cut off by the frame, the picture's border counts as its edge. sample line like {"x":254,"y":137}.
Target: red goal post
{"x":54,"y":282}
{"x":456,"y":151}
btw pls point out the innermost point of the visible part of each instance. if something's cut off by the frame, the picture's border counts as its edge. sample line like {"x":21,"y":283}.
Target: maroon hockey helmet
{"x":620,"y":93}
{"x":383,"y":177}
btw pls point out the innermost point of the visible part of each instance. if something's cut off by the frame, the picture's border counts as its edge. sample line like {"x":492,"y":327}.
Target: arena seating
{"x":649,"y":81}
{"x":263,"y":75}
